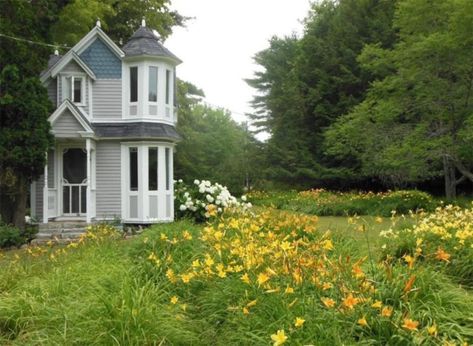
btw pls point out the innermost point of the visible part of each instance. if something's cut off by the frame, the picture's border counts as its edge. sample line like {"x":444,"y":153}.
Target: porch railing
{"x":74,"y":198}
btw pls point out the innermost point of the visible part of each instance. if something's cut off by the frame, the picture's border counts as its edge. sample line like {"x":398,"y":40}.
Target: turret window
{"x":153,"y":84}
{"x":168,"y":86}
{"x":134,"y":84}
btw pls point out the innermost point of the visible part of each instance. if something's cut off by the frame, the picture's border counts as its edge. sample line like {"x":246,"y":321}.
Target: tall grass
{"x":110,"y":291}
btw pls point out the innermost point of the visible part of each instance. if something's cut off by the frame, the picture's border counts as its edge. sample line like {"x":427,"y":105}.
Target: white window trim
{"x":152,"y":103}
{"x":143,"y":193}
{"x":133,"y":103}
{"x":82,"y":90}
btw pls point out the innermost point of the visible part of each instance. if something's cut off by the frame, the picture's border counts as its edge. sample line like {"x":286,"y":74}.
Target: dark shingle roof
{"x":53,"y":59}
{"x":138,"y":130}
{"x":145,"y":42}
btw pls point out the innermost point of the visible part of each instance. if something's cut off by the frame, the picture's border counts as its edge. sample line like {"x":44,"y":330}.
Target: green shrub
{"x":203,"y":200}
{"x":10,"y":236}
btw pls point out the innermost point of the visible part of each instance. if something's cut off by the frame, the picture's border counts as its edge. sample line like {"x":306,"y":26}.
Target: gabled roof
{"x":75,"y":51}
{"x":76,"y":112}
{"x":145,"y":42}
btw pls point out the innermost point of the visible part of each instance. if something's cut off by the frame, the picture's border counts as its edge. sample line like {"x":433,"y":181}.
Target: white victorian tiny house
{"x":114,"y":128}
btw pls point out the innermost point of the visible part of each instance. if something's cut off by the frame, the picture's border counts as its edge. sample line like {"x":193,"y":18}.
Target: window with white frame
{"x":168,"y":86}
{"x":153,"y":84}
{"x":134,"y":84}
{"x":74,"y":89}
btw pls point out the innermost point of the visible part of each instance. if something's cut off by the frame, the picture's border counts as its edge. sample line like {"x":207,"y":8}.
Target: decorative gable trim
{"x":71,"y":55}
{"x":66,"y":59}
{"x":88,"y":131}
{"x":97,"y":32}
{"x":78,"y":49}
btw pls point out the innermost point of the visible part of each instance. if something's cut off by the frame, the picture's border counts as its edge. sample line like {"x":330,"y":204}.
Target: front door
{"x":74,"y":182}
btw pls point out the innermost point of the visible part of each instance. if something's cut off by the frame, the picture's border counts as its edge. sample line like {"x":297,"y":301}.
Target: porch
{"x":69,"y":188}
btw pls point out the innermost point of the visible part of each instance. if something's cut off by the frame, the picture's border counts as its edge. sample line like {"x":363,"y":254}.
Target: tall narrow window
{"x":152,"y":168}
{"x":153,"y":84}
{"x":168,"y":168}
{"x":134,"y":84}
{"x":77,"y":90}
{"x":134,"y":169}
{"x":168,"y":85}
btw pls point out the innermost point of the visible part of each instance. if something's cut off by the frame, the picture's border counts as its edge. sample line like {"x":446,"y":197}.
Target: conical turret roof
{"x":145,"y":42}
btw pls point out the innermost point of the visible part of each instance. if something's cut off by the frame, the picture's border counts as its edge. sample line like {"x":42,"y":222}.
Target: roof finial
{"x":143,"y":22}
{"x":56,"y":52}
{"x":98,"y":23}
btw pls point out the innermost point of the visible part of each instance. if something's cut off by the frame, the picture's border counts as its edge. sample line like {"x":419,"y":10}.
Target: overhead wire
{"x":20,"y":39}
{"x":33,"y":42}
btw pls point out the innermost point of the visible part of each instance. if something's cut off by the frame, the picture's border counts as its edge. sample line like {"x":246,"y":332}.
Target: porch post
{"x":88,"y":146}
{"x":45,"y":192}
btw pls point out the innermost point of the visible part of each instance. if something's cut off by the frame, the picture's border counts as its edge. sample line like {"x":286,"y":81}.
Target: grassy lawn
{"x":237,"y":281}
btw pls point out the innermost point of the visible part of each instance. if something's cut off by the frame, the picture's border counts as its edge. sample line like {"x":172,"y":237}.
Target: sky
{"x":220,"y":40}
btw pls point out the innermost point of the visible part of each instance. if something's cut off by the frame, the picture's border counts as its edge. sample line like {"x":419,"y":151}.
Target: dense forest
{"x":374,"y":94}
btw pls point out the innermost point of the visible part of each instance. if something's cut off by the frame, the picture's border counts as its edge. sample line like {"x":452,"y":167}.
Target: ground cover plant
{"x":322,"y":202}
{"x":443,"y":239}
{"x":264,"y":278}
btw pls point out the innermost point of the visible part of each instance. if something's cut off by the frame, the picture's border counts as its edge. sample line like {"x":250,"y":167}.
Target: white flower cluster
{"x":207,"y":198}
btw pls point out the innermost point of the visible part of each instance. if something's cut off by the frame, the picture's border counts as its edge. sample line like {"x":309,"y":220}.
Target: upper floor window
{"x":168,"y":86}
{"x":74,"y":89}
{"x":77,"y":86}
{"x":153,"y":84}
{"x":134,"y":84}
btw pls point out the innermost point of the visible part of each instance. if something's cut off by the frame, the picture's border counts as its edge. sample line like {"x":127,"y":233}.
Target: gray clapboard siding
{"x":107,"y":99}
{"x":67,"y":125}
{"x":108,"y":172}
{"x":39,"y":199}
{"x":52,"y":91}
{"x":72,"y":66}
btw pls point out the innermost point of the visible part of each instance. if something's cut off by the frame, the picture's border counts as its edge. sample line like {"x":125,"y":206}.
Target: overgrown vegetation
{"x":273,"y":276}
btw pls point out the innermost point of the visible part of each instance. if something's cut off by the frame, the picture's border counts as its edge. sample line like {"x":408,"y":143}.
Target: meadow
{"x":260,"y":277}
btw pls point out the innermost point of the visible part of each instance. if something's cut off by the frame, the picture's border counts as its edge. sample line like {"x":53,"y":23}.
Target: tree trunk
{"x":13,"y":202}
{"x":450,"y":179}
{"x":20,"y":204}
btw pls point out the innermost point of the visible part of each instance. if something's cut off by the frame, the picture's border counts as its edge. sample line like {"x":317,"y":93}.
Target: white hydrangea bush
{"x":203,"y":200}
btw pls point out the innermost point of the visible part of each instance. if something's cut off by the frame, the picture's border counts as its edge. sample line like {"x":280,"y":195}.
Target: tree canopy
{"x":416,"y":120}
{"x":213,"y":147}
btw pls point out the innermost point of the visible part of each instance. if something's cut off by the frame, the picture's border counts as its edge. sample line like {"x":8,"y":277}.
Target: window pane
{"x":168,"y":173}
{"x":77,"y":90}
{"x":134,"y":84}
{"x":133,"y":169}
{"x":153,"y":169}
{"x":153,"y":84}
{"x":168,"y":85}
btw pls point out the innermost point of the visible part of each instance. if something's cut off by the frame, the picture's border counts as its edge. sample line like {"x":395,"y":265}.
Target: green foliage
{"x":105,"y":291}
{"x":24,"y":139}
{"x":214,"y":147}
{"x":10,"y":236}
{"x":307,"y":83}
{"x":30,"y":20}
{"x":415,"y":121}
{"x":118,"y":18}
{"x":443,"y":239}
{"x":326,"y":203}
{"x":24,"y":128}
